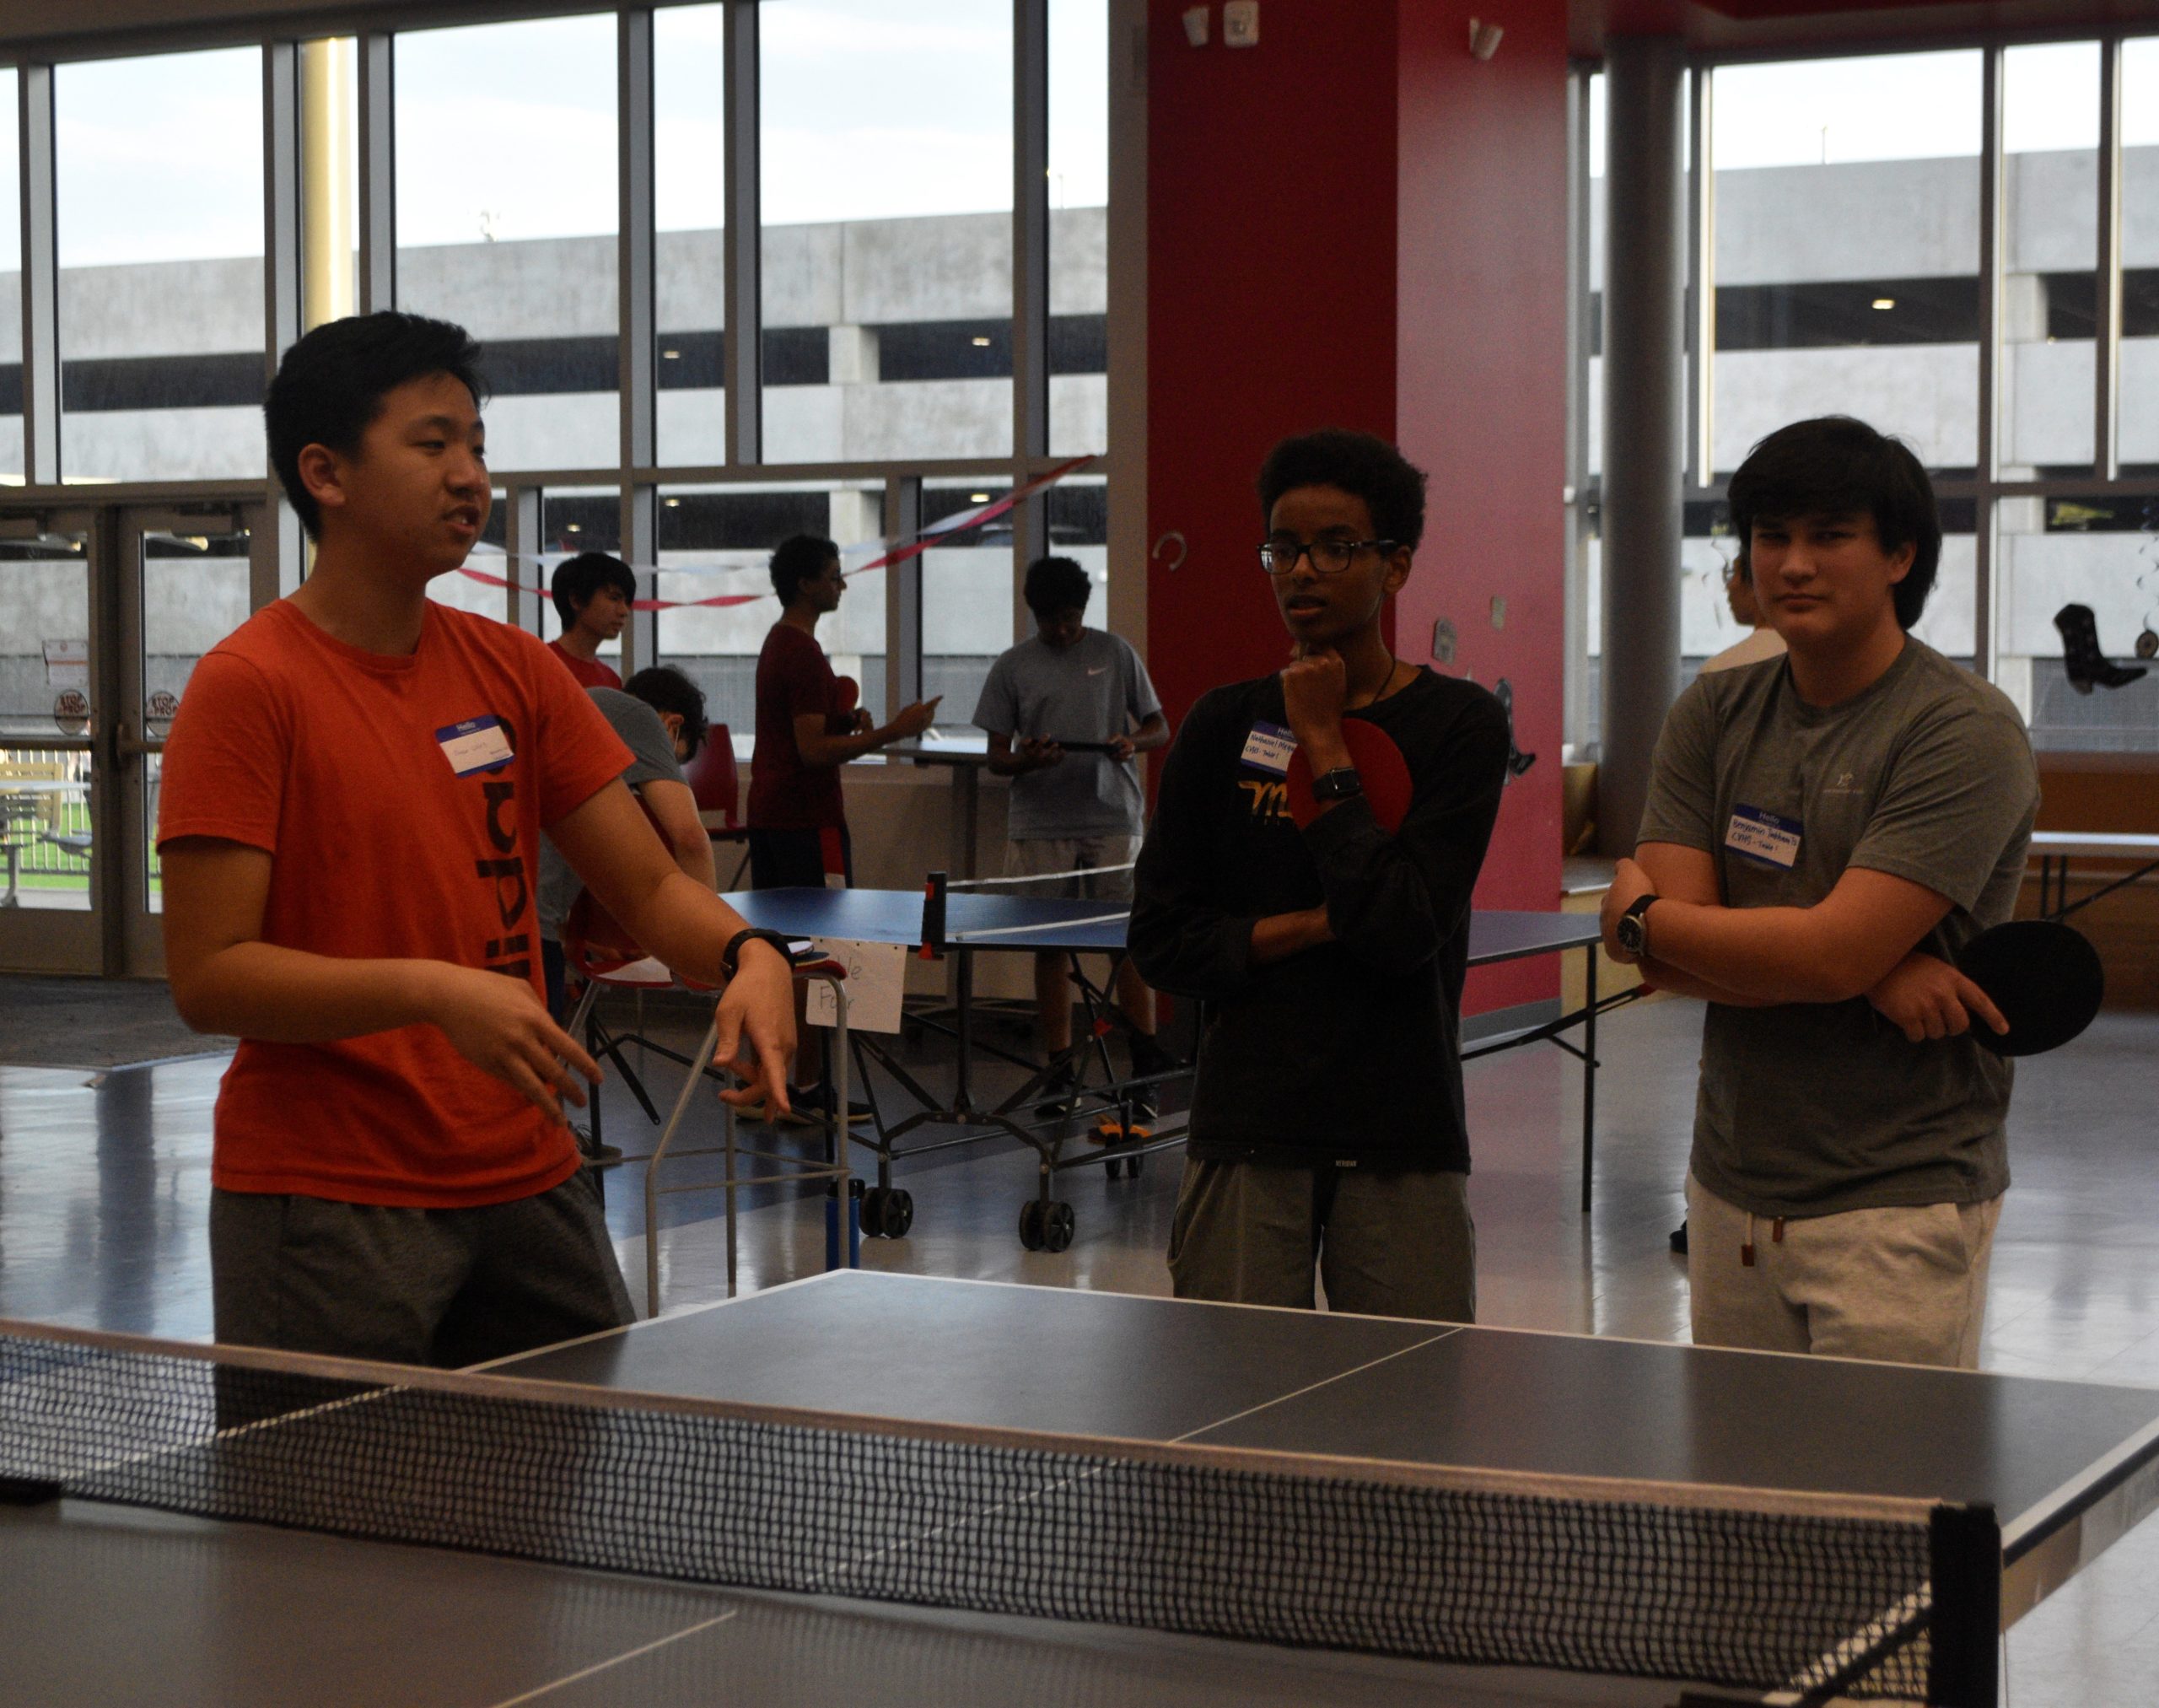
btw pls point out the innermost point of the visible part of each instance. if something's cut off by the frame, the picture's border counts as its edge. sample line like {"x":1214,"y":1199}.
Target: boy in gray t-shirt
{"x":660,"y":716}
{"x":1075,"y":809}
{"x":1824,"y":833}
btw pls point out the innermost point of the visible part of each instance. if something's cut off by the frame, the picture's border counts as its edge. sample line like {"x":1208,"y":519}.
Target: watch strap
{"x":730,"y":956}
{"x":1341,"y":783}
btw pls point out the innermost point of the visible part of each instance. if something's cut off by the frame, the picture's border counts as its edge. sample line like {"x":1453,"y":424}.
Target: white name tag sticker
{"x":1267,"y":749}
{"x":476,"y":743}
{"x":1768,"y":838}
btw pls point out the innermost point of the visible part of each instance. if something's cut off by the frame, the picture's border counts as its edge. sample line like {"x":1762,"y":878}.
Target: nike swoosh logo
{"x":1097,"y":670}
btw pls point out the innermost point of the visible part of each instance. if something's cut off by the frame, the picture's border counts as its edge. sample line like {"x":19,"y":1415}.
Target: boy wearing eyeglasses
{"x":1327,"y":1129}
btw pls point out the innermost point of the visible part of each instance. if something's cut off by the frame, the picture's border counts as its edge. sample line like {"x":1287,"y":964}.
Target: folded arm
{"x":1680,"y":874}
{"x":1181,"y":937}
{"x":1841,"y":947}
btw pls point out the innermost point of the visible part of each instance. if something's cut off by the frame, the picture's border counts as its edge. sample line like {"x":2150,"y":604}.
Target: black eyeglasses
{"x":1279,"y":556}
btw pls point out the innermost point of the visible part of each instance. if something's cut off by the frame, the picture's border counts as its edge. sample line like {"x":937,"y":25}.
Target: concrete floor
{"x":105,"y":1181}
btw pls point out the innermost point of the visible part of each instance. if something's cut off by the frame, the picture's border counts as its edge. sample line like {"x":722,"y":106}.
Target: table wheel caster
{"x":1046,"y":1226}
{"x":887,"y":1212}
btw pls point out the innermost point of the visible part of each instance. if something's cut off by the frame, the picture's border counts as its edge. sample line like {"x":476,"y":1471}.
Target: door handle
{"x":127,"y":745}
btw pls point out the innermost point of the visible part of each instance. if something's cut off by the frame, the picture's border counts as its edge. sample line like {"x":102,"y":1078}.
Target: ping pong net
{"x":1025,"y":905}
{"x":1861,"y":1597}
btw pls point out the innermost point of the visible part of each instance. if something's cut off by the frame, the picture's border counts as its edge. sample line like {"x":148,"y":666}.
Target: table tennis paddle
{"x":1380,"y":767}
{"x":2045,"y":978}
{"x":847,"y":695}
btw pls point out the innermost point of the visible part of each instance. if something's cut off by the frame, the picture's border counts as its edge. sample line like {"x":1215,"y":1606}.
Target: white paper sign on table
{"x":876,"y":984}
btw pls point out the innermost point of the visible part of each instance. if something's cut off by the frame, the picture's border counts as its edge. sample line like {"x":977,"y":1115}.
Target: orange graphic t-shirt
{"x":403,"y":800}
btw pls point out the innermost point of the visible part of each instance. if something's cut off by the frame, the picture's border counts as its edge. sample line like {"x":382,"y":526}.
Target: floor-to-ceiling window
{"x":561,"y":187}
{"x":1844,"y":248}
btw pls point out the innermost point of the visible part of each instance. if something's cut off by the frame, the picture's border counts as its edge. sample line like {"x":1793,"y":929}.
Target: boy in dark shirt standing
{"x":798,"y":817}
{"x":1327,"y":1123}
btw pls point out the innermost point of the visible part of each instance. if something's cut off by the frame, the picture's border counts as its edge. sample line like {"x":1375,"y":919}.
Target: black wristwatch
{"x":1341,"y":783}
{"x":1633,"y":930}
{"x":732,"y":954}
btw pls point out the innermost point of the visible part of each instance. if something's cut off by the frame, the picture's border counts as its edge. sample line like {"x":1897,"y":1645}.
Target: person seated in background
{"x":1328,"y":1124}
{"x":659,"y":714}
{"x":1824,"y":834}
{"x":592,"y":593}
{"x":1074,"y":811}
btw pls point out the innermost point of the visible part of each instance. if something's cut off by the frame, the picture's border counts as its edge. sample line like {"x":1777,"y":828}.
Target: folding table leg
{"x":1589,"y":1077}
{"x":690,"y":1081}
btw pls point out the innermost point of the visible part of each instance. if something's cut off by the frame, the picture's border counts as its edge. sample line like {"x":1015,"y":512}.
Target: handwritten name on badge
{"x":1768,"y":838}
{"x":1268,"y":749}
{"x":475,"y":744}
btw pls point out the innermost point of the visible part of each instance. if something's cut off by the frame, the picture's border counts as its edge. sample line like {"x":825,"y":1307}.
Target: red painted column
{"x":1270,"y":301}
{"x":1357,"y":224}
{"x":1481,"y":302}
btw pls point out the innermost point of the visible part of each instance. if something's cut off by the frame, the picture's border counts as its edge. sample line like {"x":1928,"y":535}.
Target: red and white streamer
{"x":928,"y":537}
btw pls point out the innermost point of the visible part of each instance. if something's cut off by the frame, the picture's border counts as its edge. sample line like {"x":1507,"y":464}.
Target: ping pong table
{"x":959,"y":923}
{"x":2055,"y":849}
{"x":114,"y":1604}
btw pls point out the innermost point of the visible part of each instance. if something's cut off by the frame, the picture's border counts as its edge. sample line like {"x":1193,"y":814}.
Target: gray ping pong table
{"x":959,"y":923}
{"x":1318,"y":1414}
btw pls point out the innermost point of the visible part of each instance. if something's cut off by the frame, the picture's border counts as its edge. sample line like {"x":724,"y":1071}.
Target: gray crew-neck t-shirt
{"x":1814,"y":1108}
{"x":652,"y":760}
{"x":1094,"y":689}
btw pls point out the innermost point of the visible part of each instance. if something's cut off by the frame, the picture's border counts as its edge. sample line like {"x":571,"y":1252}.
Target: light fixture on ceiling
{"x":577,"y":527}
{"x":982,"y":343}
{"x":977,"y":498}
{"x":674,"y":503}
{"x":670,"y":355}
{"x":1885,"y":302}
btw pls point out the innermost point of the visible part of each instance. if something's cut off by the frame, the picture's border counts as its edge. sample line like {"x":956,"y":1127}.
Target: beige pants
{"x":1399,"y":1243}
{"x":1907,"y":1285}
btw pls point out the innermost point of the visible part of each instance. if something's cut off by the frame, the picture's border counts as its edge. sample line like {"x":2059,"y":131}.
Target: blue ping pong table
{"x":961,"y":923}
{"x":115,"y":1605}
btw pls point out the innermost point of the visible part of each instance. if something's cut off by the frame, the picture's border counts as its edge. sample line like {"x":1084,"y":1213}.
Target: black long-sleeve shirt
{"x":1348,"y":1052}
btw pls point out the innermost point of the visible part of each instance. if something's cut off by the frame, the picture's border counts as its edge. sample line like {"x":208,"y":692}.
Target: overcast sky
{"x":871,"y":109}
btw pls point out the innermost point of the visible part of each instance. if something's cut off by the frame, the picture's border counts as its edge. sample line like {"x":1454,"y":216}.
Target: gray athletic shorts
{"x":446,"y":1287}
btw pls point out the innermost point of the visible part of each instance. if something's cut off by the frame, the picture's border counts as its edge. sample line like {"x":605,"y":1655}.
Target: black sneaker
{"x":1060,"y":1091}
{"x":1148,"y":1055}
{"x":1679,"y":1239}
{"x":806,"y":1104}
{"x":1148,"y":1060}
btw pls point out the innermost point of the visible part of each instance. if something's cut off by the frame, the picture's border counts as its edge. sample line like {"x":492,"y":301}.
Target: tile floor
{"x":105,"y":1180}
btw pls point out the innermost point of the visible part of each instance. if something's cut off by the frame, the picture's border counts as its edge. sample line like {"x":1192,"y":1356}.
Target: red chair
{"x":717,"y":790}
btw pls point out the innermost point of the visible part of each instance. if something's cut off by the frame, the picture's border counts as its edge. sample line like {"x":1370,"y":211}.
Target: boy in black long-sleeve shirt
{"x":1326,"y":1121}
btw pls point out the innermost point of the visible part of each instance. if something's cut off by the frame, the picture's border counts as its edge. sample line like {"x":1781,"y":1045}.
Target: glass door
{"x":187,"y":581}
{"x":53,"y":690}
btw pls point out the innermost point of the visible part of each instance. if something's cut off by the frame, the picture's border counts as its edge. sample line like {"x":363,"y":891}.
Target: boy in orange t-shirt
{"x":353,"y":796}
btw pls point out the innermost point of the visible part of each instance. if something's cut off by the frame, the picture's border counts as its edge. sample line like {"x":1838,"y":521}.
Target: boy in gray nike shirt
{"x":1824,"y":832}
{"x":1075,"y":809}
